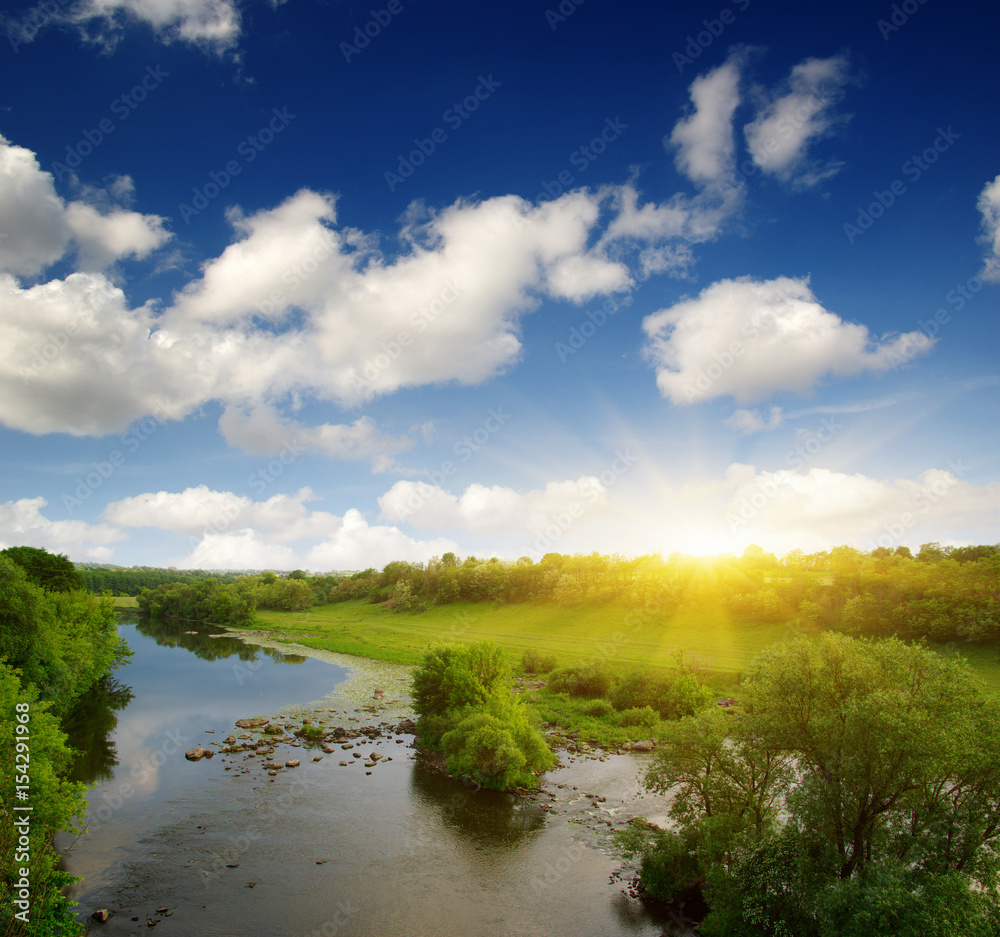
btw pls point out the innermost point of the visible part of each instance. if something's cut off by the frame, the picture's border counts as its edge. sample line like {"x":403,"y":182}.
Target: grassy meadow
{"x":620,"y":637}
{"x":615,"y":635}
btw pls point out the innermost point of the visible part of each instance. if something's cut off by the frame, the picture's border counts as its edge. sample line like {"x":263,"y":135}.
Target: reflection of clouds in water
{"x":178,"y":696}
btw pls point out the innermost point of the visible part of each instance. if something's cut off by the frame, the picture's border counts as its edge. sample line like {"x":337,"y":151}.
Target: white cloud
{"x":203,"y":511}
{"x":821,"y":508}
{"x":75,"y":359}
{"x":989,"y":206}
{"x":298,"y":307}
{"x":213,"y":24}
{"x":356,"y":545}
{"x":34,"y":227}
{"x":747,"y":339}
{"x":230,"y":531}
{"x":780,"y":136}
{"x":240,"y":549}
{"x":704,"y":140}
{"x":39,"y":227}
{"x":752,"y":421}
{"x":23,"y":524}
{"x":262,"y":431}
{"x":493,"y":509}
{"x":103,"y":239}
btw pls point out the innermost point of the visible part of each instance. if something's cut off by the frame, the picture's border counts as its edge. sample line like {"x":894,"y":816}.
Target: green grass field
{"x":621,"y":638}
{"x":126,"y":601}
{"x":609,"y":633}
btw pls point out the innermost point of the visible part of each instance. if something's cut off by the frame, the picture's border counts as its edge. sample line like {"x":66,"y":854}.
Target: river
{"x":335,"y":846}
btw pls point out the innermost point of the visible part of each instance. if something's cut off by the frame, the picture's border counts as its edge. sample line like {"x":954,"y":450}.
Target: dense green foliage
{"x":53,"y":572}
{"x":120,"y":580}
{"x":62,"y":642}
{"x":56,"y":645}
{"x":943,"y":593}
{"x":857,"y":791}
{"x":468,"y":712}
{"x":56,"y":805}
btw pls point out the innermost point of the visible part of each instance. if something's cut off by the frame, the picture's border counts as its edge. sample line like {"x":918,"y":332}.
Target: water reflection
{"x":89,"y":726}
{"x":480,"y":818}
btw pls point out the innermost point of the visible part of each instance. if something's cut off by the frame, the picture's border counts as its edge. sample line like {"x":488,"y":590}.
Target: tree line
{"x":943,"y":594}
{"x":57,"y":640}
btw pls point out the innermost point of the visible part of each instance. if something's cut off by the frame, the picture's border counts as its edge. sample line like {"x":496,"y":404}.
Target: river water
{"x":325,"y":848}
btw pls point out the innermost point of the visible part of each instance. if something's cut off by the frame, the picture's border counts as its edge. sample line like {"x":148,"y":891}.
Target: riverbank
{"x":224,"y":848}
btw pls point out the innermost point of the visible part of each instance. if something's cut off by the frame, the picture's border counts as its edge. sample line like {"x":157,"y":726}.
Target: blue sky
{"x":326,"y":285}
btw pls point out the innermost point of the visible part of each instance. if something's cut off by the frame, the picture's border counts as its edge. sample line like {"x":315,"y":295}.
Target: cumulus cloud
{"x":74,"y":358}
{"x":704,"y":139}
{"x":230,"y":531}
{"x":300,"y":306}
{"x":357,"y":545}
{"x":747,"y":339}
{"x":493,"y":509}
{"x":790,"y":121}
{"x":262,"y":431}
{"x":989,"y":206}
{"x":23,"y":524}
{"x":818,"y":508}
{"x":40,"y":227}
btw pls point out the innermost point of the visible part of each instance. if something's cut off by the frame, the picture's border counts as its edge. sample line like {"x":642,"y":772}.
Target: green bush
{"x":672,"y":696}
{"x":533,"y":661}
{"x":463,"y":697}
{"x":598,"y":708}
{"x":646,"y":717}
{"x":587,"y":680}
{"x":496,"y":746}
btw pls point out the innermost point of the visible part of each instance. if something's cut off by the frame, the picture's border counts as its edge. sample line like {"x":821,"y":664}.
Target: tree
{"x":53,"y":572}
{"x":462,"y":695}
{"x":883,"y":759}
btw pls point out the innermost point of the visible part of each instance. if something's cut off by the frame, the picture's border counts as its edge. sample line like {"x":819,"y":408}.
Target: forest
{"x":941,"y":594}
